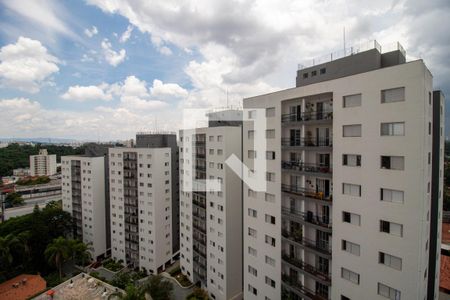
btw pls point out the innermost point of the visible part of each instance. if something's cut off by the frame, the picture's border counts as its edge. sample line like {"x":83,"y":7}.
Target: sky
{"x":106,"y":69}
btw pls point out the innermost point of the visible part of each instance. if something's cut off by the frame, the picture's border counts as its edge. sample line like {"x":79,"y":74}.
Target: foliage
{"x":121,"y":280}
{"x":96,"y":274}
{"x":159,"y":288}
{"x":175,"y":271}
{"x":53,"y":279}
{"x":13,"y":200}
{"x":33,"y":180}
{"x":112,"y":265}
{"x":198,"y":294}
{"x":132,"y":292}
{"x":57,"y":253}
{"x":18,"y":156}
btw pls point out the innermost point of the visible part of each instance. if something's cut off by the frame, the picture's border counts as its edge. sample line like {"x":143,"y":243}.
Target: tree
{"x":81,"y":252}
{"x":14,"y":199}
{"x":121,"y":280}
{"x":57,"y":253}
{"x":159,"y":288}
{"x":198,"y":294}
{"x":6,"y":245}
{"x":132,"y":292}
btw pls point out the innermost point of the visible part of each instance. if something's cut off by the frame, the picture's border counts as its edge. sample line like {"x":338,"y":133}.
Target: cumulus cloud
{"x":114,"y":58}
{"x":127,"y":34}
{"x":26,"y":65}
{"x":91,"y":32}
{"x":167,"y":89}
{"x":87,"y":93}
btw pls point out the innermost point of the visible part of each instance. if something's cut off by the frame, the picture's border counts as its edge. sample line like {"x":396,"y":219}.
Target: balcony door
{"x":319,"y":110}
{"x":295,"y":112}
{"x":324,"y":159}
{"x":323,"y":186}
{"x":322,"y":239}
{"x":296,"y":181}
{"x":295,"y":137}
{"x":322,"y":136}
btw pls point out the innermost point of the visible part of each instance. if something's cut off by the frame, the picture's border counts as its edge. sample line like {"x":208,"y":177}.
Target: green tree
{"x":57,"y":253}
{"x":81,"y":252}
{"x":13,"y":199}
{"x":159,"y":288}
{"x":6,"y":245}
{"x":132,"y":292}
{"x":198,"y":294}
{"x":121,"y":280}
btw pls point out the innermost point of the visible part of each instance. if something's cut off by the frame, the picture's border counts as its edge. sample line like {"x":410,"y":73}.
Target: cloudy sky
{"x":104,"y":69}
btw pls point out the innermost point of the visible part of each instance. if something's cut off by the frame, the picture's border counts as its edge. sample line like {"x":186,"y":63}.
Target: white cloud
{"x":114,"y":58}
{"x":126,"y":35}
{"x":26,"y":65}
{"x":91,"y":32}
{"x":160,"y":89}
{"x":164,"y":50}
{"x":87,"y":93}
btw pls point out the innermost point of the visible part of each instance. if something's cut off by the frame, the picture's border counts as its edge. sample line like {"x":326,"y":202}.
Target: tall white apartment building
{"x":140,"y":207}
{"x":348,"y":185}
{"x":43,"y":164}
{"x":83,"y":196}
{"x":211,"y":217}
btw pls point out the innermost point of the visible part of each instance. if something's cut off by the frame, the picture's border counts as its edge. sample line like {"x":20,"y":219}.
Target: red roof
{"x":445,"y":273}
{"x":446,"y":233}
{"x":22,"y":287}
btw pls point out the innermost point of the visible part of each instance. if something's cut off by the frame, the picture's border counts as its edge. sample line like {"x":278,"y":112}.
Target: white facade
{"x":329,"y":172}
{"x":140,"y":206}
{"x":211,"y":220}
{"x":83,"y":196}
{"x":43,"y":164}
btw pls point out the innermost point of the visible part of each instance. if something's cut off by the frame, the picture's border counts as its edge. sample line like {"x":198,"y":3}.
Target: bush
{"x":96,"y":274}
{"x":175,"y":271}
{"x":112,"y":265}
{"x":53,"y":279}
{"x":198,"y":294}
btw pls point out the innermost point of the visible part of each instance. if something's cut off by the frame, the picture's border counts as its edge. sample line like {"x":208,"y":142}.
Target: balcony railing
{"x":325,"y":276}
{"x":295,"y":284}
{"x":200,"y":168}
{"x":199,"y":203}
{"x":310,"y":193}
{"x":307,"y":116}
{"x":202,"y":253}
{"x":305,"y":167}
{"x":308,"y":217}
{"x":319,"y":246}
{"x":307,"y":142}
{"x":200,"y":155}
{"x":199,"y":227}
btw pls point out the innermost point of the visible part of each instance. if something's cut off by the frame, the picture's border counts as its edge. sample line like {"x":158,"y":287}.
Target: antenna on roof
{"x":344,"y":43}
{"x":227,"y":97}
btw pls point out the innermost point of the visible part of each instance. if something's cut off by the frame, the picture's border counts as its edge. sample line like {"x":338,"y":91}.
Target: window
{"x":351,"y":130}
{"x":351,"y":218}
{"x":270,"y":197}
{"x":220,"y":138}
{"x":252,"y":290}
{"x":393,"y":95}
{"x":270,"y":112}
{"x":270,"y":133}
{"x":252,"y":114}
{"x":388,"y":292}
{"x":252,"y":213}
{"x":392,"y":196}
{"x":252,"y":271}
{"x":313,"y":73}
{"x":270,"y":261}
{"x":323,"y":71}
{"x":270,"y":219}
{"x":211,"y":138}
{"x":305,"y":75}
{"x":351,"y":160}
{"x":392,"y":129}
{"x":252,"y":232}
{"x":390,"y":260}
{"x":252,"y":251}
{"x":219,"y":151}
{"x":350,"y":275}
{"x":270,"y":155}
{"x":350,"y":247}
{"x":211,"y":151}
{"x":251,"y":134}
{"x":352,"y":100}
{"x":251,"y":193}
{"x":270,"y":282}
{"x":251,"y":154}
{"x":270,"y":176}
{"x":391,"y":228}
{"x":270,"y":240}
{"x":393,"y":162}
{"x":351,"y":189}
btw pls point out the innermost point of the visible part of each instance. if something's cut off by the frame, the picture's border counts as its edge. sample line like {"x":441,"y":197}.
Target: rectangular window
{"x":270,"y":240}
{"x":252,"y":251}
{"x":388,"y":292}
{"x":351,"y":130}
{"x":270,"y":261}
{"x":251,"y":193}
{"x":351,"y":160}
{"x":393,"y":95}
{"x":252,"y":232}
{"x":251,"y":114}
{"x":252,"y":271}
{"x":270,"y":219}
{"x":252,"y":213}
{"x":390,"y":260}
{"x":270,"y":282}
{"x":270,"y":176}
{"x":350,"y":275}
{"x":251,"y":154}
{"x":393,"y":162}
{"x":270,"y":133}
{"x":391,"y":228}
{"x":352,"y":100}
{"x":270,"y":198}
{"x":251,"y":134}
{"x":351,"y":218}
{"x":270,"y":155}
{"x":393,"y":129}
{"x":220,"y":138}
{"x":394,"y":196}
{"x":350,"y":247}
{"x":351,"y":189}
{"x":252,"y":290}
{"x":270,"y":112}
{"x":211,"y":138}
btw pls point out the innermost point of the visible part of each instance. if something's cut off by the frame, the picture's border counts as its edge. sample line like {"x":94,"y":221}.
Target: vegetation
{"x":13,"y":200}
{"x":17,"y":156}
{"x":24,"y":240}
{"x":181,"y":278}
{"x":33,"y":180}
{"x":159,"y":288}
{"x":122,"y":280}
{"x":132,"y":292}
{"x":112,"y":265}
{"x":198,"y":294}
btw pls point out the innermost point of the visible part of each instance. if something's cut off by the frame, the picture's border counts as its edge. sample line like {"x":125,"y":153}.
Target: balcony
{"x":307,"y":142}
{"x":293,"y":284}
{"x":199,"y":216}
{"x":321,"y":247}
{"x":199,"y":251}
{"x":310,"y":117}
{"x":304,"y":192}
{"x":200,"y":168}
{"x":305,"y":168}
{"x":199,"y":203}
{"x":200,"y":155}
{"x":200,"y":228}
{"x":306,"y":217}
{"x":308,"y":269}
{"x":199,"y":143}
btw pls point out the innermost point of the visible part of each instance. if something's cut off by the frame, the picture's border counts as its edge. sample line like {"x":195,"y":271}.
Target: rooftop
{"x":445,"y":273}
{"x":446,"y":233}
{"x":80,"y":287}
{"x":22,"y":287}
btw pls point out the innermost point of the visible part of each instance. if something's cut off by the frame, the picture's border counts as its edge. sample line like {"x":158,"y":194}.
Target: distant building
{"x":21,"y":172}
{"x":43,"y":164}
{"x":3,"y":144}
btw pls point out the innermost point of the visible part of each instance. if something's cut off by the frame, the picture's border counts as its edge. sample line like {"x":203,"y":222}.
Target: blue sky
{"x":104,"y":69}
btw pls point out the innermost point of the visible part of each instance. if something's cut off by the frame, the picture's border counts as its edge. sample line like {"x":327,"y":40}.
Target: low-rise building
{"x":43,"y":164}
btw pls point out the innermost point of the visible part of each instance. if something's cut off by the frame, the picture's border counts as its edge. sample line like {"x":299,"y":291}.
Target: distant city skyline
{"x":103,"y":70}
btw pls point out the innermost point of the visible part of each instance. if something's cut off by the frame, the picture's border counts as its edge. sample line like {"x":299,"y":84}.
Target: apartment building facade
{"x":141,"y":199}
{"x":211,"y":207}
{"x":43,"y":164}
{"x":83,"y":196}
{"x":346,"y":210}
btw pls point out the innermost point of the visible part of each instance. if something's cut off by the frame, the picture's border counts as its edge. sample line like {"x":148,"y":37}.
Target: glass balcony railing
{"x":301,"y":191}
{"x":319,"y":246}
{"x":307,"y":116}
{"x":306,"y":167}
{"x":308,"y":217}
{"x":307,"y":142}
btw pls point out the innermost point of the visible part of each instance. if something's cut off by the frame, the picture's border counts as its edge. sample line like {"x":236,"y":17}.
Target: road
{"x":29,"y":206}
